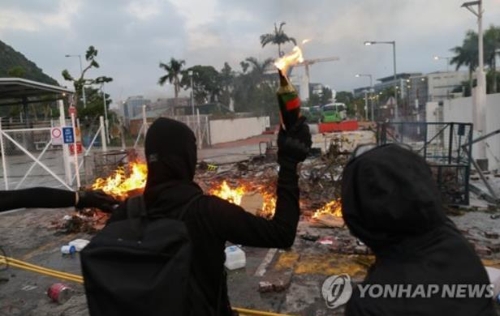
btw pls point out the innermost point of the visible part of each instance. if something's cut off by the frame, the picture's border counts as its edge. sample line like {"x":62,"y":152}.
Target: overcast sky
{"x":133,"y":36}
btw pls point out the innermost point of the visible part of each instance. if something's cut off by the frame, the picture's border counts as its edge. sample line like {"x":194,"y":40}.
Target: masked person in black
{"x":41,"y":197}
{"x":392,"y":204}
{"x":170,"y":149}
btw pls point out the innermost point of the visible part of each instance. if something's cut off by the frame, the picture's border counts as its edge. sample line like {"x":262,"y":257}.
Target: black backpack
{"x":140,"y":266}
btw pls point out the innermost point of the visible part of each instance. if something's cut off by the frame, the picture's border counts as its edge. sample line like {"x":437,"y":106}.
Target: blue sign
{"x":68,"y":135}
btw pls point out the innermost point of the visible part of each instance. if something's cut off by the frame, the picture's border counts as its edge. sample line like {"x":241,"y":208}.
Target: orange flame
{"x":290,"y":59}
{"x":226,"y":193}
{"x":120,"y":183}
{"x":235,"y":195}
{"x":333,"y":208}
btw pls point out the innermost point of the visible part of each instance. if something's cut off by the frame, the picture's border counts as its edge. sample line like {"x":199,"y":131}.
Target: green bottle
{"x":289,"y":102}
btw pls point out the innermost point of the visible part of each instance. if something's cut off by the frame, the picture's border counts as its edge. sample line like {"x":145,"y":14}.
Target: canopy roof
{"x":17,"y":91}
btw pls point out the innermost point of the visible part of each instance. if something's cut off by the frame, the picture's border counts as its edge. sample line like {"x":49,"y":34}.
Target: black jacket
{"x":212,"y":221}
{"x":170,"y":149}
{"x":391,"y":203}
{"x":38,"y":197}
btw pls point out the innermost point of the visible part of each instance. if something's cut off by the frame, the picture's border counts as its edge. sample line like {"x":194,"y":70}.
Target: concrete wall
{"x":461,"y":110}
{"x":228,"y":130}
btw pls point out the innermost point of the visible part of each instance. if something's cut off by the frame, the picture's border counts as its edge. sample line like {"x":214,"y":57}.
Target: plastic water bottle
{"x":235,"y":258}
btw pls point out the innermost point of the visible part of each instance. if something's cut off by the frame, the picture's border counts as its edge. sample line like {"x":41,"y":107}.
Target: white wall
{"x":460,"y":110}
{"x":228,"y":130}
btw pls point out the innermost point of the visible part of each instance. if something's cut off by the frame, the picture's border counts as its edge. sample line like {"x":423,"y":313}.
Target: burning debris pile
{"x":251,"y":184}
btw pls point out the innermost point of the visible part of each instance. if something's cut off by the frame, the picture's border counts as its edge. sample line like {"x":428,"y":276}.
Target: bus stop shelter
{"x":23,"y":92}
{"x":27,"y":160}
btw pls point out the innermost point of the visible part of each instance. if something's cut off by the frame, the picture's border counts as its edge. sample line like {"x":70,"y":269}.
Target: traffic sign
{"x":78,"y":148}
{"x":68,"y":135}
{"x":56,"y":136}
{"x":72,"y":110}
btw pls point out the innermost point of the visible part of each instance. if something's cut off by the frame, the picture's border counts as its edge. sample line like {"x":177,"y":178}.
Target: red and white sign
{"x":78,"y":141}
{"x":78,"y":148}
{"x":56,"y":135}
{"x":72,"y":110}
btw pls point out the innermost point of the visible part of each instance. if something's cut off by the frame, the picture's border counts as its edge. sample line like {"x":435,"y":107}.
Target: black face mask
{"x":170,"y":149}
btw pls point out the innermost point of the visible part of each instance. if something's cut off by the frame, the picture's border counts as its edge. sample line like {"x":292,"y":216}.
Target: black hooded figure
{"x":392,"y":204}
{"x":170,"y":149}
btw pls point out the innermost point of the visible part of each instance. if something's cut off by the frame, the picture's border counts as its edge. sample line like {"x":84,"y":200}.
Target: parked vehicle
{"x":333,"y":112}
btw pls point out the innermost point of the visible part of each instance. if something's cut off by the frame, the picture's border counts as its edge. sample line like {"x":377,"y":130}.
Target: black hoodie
{"x":170,"y":149}
{"x":392,"y":204}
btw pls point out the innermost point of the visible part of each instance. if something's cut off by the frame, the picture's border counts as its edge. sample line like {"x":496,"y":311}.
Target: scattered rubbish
{"x":265,"y":287}
{"x":79,"y":244}
{"x":309,"y":237}
{"x":326,"y":240}
{"x":68,"y":250}
{"x":28,"y":287}
{"x":235,"y":258}
{"x":59,"y":293}
{"x":491,"y":235}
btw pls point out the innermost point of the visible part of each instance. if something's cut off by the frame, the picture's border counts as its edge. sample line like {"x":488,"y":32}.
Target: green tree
{"x":226,"y":76}
{"x":491,"y":51}
{"x":17,"y":71}
{"x":278,"y":37}
{"x":80,"y":82}
{"x":174,"y":72}
{"x":206,"y":83}
{"x":255,"y":89}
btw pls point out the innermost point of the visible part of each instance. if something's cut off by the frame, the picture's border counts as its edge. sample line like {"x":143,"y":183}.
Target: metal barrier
{"x":441,"y":144}
{"x":27,"y":163}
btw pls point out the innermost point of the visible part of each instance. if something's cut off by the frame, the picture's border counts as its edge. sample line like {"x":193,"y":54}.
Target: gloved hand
{"x":294,"y":144}
{"x":97,"y":199}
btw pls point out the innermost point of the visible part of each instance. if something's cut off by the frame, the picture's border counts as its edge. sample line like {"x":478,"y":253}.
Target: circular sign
{"x":56,"y":132}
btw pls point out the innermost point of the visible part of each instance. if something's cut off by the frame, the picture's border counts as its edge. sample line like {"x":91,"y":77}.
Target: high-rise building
{"x":133,"y":106}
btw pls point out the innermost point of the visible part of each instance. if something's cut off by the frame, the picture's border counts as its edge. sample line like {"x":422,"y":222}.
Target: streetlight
{"x":81,"y":75}
{"x":371,"y":91}
{"x":479,"y":108}
{"x":447,"y":61}
{"x":106,"y":128}
{"x":393,"y":43}
{"x":190,"y":74}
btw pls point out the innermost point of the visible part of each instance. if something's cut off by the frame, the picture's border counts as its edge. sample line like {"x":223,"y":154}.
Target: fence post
{"x":75,"y":152}
{"x":144,"y":121}
{"x":200,"y":139}
{"x":4,"y":163}
{"x":62,"y":123}
{"x":103,"y":134}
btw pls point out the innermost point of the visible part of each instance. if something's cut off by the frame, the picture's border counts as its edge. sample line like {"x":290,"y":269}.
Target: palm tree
{"x":467,"y":54}
{"x":277,"y":38}
{"x":174,"y":70}
{"x":491,"y":46}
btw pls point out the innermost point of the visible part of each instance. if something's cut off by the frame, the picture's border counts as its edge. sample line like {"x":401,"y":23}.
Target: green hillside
{"x":15,"y":64}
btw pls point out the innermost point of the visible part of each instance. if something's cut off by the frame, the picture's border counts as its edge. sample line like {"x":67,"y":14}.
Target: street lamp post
{"x":479,"y":108}
{"x":81,"y":74}
{"x":393,"y":43}
{"x":371,"y":91}
{"x":447,"y":61}
{"x":106,"y":124}
{"x":190,"y":74}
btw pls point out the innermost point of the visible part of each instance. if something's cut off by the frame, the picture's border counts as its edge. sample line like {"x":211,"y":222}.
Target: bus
{"x":333,"y":112}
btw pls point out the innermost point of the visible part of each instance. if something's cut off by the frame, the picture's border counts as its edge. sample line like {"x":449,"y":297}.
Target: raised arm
{"x":238,"y":226}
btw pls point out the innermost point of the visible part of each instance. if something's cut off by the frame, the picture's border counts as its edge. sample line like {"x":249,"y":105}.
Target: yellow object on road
{"x":79,"y":279}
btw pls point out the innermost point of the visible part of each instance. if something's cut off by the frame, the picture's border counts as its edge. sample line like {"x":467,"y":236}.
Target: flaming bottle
{"x":289,"y":102}
{"x":288,"y":98}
